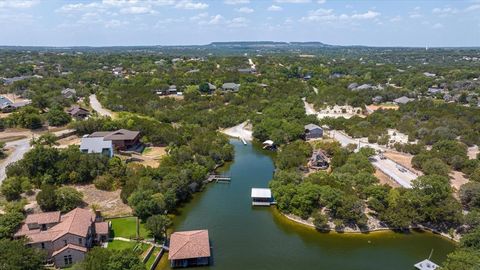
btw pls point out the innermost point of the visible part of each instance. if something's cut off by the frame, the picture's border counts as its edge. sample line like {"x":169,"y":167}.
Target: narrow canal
{"x":244,"y":237}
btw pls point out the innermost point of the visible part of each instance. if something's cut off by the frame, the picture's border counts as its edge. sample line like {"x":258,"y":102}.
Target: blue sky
{"x":181,"y":22}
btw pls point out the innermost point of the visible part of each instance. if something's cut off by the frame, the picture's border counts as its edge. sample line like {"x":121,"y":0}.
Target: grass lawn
{"x":126,"y":227}
{"x":120,"y":245}
{"x":152,"y":257}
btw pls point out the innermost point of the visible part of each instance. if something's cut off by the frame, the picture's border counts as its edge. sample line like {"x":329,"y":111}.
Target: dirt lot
{"x":457,"y":179}
{"x":384,"y":179}
{"x":403,"y":159}
{"x":108,"y":202}
{"x":151,"y":156}
{"x":67,"y":141}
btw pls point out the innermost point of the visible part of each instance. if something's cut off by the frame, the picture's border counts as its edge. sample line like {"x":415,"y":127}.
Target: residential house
{"x":246,"y":70}
{"x":211,"y":87}
{"x":233,"y":87}
{"x":313,"y":131}
{"x":69,"y":93}
{"x":122,"y":139}
{"x":78,"y":112}
{"x":65,"y":238}
{"x":172,"y":90}
{"x":96,"y":145}
{"x":189,"y":248}
{"x":318,"y":161}
{"x":7,"y":106}
{"x":403,"y":100}
{"x":430,"y":75}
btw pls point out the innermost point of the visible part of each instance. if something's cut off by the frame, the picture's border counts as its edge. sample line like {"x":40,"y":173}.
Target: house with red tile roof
{"x":66,"y":238}
{"x":189,"y":248}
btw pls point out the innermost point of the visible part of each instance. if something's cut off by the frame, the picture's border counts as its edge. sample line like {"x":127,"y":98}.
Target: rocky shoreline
{"x":377,"y":227}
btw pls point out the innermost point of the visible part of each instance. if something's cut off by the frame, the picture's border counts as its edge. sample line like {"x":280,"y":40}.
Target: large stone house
{"x":65,"y":238}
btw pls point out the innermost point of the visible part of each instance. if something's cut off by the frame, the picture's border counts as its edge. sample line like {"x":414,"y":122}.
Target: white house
{"x":96,"y":145}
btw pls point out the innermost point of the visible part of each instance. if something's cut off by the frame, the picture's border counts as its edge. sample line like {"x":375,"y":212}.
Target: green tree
{"x":57,"y":117}
{"x":157,"y":225}
{"x":47,"y":198}
{"x":16,"y":255}
{"x":67,"y":198}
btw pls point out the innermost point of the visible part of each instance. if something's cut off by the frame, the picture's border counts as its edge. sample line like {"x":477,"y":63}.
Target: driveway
{"x":20,"y":147}
{"x":96,"y":106}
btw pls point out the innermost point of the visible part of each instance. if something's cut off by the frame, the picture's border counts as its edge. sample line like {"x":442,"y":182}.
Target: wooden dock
{"x":219,"y":178}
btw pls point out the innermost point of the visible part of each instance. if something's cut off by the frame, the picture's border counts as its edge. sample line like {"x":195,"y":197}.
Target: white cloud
{"x":437,"y":26}
{"x":444,"y":12}
{"x":367,"y":15}
{"x":187,"y":4}
{"x":199,"y":16}
{"x":321,"y":1}
{"x":472,"y":8}
{"x":136,"y":10}
{"x":237,"y":22}
{"x":212,"y":20}
{"x":78,"y":7}
{"x":245,"y":10}
{"x":293,"y":1}
{"x":274,"y":8}
{"x":18,"y":3}
{"x":396,"y":19}
{"x":329,"y":16}
{"x":236,"y":2}
{"x":115,"y":23}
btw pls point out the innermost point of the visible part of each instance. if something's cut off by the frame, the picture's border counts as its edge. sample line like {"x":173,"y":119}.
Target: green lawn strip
{"x":152,"y":257}
{"x":126,"y":227}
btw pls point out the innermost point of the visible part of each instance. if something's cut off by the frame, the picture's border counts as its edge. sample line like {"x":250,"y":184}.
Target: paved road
{"x":398,"y":173}
{"x":20,"y":148}
{"x":98,"y":107}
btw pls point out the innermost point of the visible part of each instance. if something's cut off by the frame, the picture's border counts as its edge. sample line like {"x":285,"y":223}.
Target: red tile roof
{"x":69,"y":246}
{"x":77,"y":222}
{"x":189,"y":244}
{"x":43,"y":218}
{"x":101,"y":227}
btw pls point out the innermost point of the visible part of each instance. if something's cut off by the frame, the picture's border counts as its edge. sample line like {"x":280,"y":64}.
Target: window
{"x":68,"y":259}
{"x":43,"y":245}
{"x":44,"y":227}
{"x":65,"y":242}
{"x":80,"y":241}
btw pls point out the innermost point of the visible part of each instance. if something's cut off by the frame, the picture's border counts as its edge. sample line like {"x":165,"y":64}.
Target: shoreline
{"x":309,"y":224}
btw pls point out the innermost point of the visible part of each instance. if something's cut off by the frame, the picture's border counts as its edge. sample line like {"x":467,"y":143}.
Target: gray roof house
{"x":69,"y":93}
{"x":96,"y":145}
{"x":313,"y":131}
{"x":4,"y":101}
{"x":234,"y":87}
{"x":402,"y":100}
{"x":212,"y":87}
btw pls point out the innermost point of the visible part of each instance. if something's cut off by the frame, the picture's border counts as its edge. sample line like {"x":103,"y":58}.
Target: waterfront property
{"x":189,"y":248}
{"x":122,"y":139}
{"x":261,"y":196}
{"x":313,"y":131}
{"x":65,"y":238}
{"x":426,"y":265}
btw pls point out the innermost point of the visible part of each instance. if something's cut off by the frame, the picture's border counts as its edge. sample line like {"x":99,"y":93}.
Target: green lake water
{"x":246,"y":237}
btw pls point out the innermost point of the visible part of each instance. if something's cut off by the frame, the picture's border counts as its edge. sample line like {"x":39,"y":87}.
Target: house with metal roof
{"x":313,"y":131}
{"x":261,"y":196}
{"x":233,"y":87}
{"x":96,"y":145}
